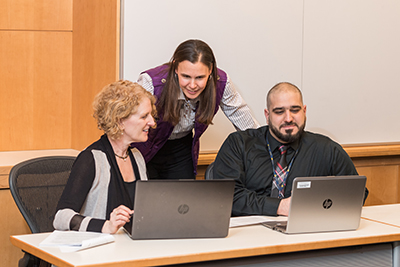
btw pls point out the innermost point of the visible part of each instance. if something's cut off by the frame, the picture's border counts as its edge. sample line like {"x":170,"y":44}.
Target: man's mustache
{"x":289,"y":124}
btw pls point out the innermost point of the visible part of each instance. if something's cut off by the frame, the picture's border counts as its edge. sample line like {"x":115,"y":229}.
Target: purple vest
{"x":159,"y":136}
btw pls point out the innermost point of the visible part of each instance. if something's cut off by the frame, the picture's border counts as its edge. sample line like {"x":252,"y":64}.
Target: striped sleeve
{"x":146,"y":82}
{"x":236,"y":109}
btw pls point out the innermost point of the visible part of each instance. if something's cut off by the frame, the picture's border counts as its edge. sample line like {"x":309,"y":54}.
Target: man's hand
{"x":283,"y":208}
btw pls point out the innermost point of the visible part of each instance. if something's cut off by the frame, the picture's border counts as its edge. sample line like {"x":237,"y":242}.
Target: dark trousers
{"x":173,"y":160}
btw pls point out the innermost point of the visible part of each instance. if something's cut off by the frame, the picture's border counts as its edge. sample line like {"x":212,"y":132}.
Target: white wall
{"x":344,"y":55}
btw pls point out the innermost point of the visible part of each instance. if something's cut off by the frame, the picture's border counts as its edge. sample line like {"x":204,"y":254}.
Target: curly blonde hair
{"x":116,"y":102}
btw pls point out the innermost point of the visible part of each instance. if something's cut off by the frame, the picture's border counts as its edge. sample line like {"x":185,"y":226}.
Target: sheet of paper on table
{"x":69,"y":241}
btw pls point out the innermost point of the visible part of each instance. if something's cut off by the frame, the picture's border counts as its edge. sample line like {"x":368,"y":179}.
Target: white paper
{"x":248,"y":220}
{"x":73,"y":240}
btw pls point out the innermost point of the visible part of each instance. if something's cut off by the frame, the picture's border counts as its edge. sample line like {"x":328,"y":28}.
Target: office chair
{"x":208,"y":175}
{"x":36,"y":186}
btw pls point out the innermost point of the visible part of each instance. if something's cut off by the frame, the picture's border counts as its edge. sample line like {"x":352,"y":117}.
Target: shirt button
{"x":163,"y":80}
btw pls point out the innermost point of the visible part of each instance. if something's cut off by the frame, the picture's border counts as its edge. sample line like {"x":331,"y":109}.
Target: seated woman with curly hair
{"x":99,"y":194}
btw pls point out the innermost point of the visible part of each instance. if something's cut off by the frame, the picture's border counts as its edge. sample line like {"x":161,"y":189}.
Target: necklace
{"x":122,"y":157}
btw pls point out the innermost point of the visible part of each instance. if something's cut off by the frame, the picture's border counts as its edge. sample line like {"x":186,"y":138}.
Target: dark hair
{"x":194,"y":51}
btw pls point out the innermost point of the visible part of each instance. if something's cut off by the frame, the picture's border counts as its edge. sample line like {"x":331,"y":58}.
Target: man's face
{"x":286,"y":115}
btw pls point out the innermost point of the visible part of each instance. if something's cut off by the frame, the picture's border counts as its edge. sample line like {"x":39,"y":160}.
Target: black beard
{"x":288,"y":137}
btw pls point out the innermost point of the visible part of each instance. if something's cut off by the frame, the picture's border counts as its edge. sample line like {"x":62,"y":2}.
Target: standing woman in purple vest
{"x":189,"y":89}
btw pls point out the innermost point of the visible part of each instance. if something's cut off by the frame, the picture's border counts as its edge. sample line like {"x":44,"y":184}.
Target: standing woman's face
{"x":192,"y":78}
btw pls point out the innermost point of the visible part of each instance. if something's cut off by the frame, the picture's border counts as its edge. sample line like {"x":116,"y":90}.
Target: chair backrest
{"x":36,"y":186}
{"x":208,"y":175}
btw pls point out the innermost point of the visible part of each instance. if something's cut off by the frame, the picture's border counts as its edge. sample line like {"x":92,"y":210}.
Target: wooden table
{"x":387,"y":214}
{"x":247,"y":241}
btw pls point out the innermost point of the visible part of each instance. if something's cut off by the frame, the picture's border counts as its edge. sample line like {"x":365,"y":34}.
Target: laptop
{"x":166,"y":209}
{"x":323,"y":204}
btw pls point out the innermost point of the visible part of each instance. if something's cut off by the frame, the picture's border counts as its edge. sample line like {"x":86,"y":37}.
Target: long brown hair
{"x":193,"y":51}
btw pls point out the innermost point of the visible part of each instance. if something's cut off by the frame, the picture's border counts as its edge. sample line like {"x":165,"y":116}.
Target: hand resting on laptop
{"x":118,"y":218}
{"x":283,"y":208}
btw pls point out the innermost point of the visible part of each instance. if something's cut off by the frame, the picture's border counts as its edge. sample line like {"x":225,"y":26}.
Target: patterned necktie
{"x":278,"y":186}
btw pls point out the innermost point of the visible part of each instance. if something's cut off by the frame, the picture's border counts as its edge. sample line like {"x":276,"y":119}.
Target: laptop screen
{"x":182,"y":209}
{"x":331,"y":203}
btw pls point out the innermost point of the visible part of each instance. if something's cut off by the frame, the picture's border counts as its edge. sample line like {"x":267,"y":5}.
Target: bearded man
{"x":265,"y":161}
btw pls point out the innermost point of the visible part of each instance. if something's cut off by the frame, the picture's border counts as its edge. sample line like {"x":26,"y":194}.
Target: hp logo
{"x":327,"y":204}
{"x":183,"y":209}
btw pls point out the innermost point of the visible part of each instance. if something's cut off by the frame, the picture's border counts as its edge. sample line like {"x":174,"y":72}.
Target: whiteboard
{"x":344,"y":55}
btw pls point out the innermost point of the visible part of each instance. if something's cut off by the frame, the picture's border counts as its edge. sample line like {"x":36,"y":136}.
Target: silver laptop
{"x":181,"y":209}
{"x":323,"y":204}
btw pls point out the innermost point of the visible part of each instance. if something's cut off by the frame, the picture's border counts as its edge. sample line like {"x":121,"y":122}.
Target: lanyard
{"x":272,"y":160}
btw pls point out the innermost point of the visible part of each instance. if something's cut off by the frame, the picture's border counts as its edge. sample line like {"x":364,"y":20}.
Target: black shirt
{"x":95,"y":186}
{"x":244,"y":157}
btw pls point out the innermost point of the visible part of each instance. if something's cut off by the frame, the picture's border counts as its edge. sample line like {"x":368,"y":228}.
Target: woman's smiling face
{"x":136,"y":127}
{"x":192,"y":78}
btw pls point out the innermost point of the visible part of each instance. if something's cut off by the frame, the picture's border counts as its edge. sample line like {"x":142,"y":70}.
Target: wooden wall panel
{"x":95,"y":62}
{"x":382,"y":183}
{"x":36,"y":14}
{"x":383,"y":175}
{"x":4,"y":171}
{"x":11,"y":223}
{"x":36,"y":75}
